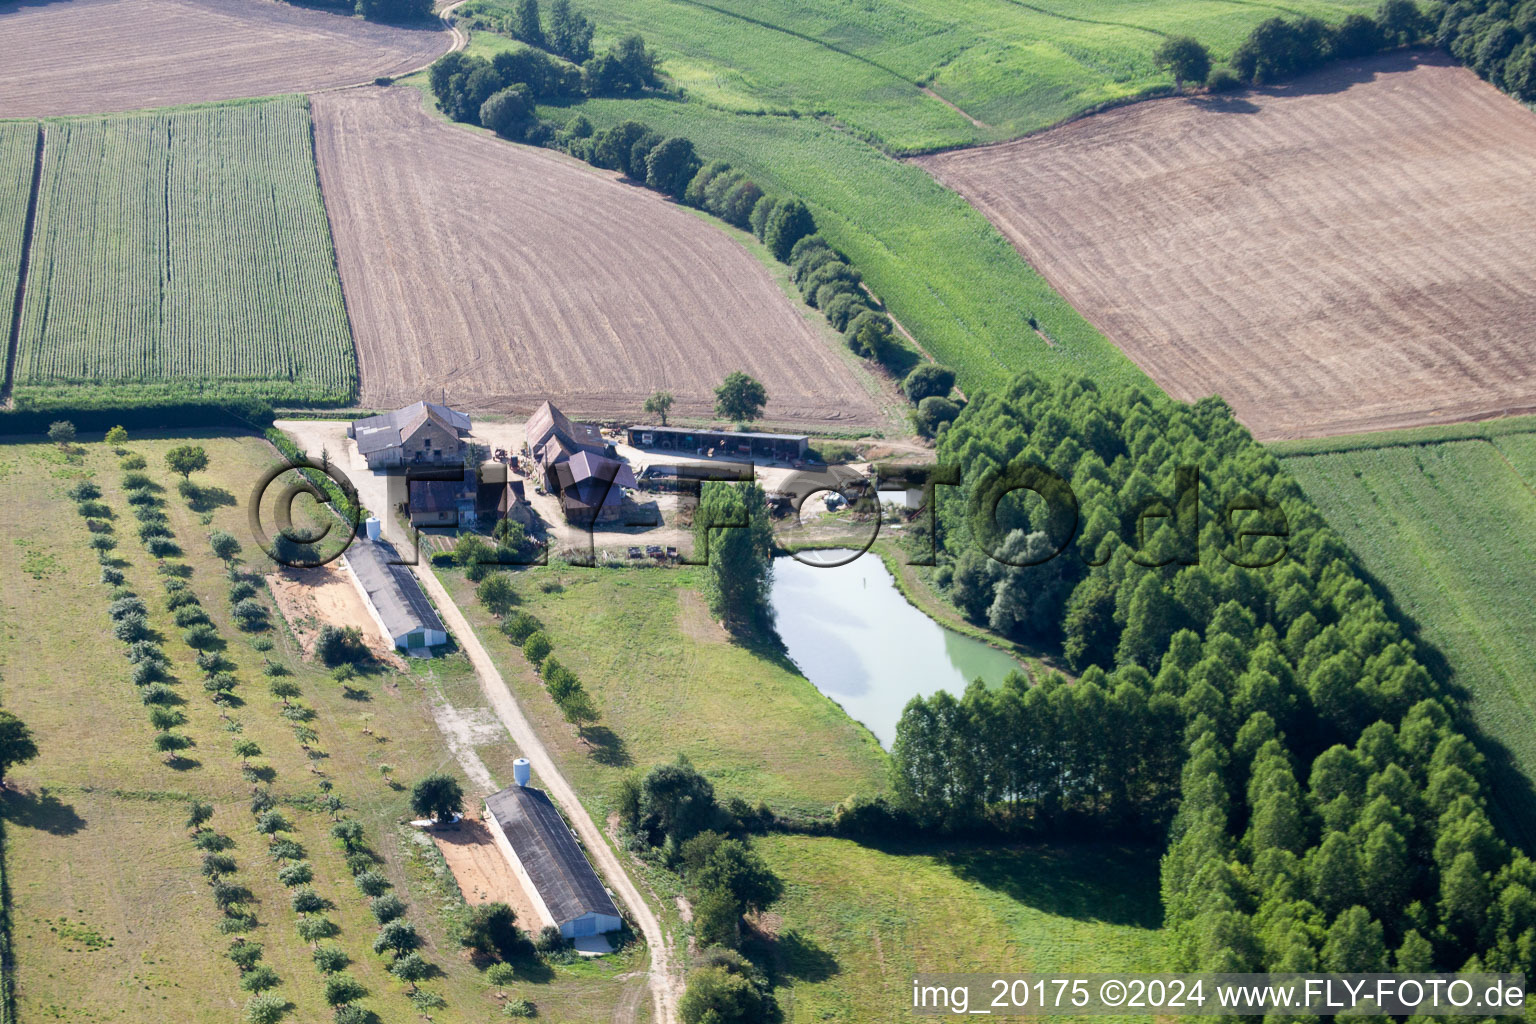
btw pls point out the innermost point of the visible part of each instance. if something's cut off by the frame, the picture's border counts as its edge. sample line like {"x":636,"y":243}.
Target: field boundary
{"x":1408,"y":437}
{"x":21,"y":275}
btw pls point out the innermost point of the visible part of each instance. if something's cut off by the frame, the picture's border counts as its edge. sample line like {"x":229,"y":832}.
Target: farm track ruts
{"x":1351,"y":252}
{"x":504,"y":275}
{"x":102,"y":56}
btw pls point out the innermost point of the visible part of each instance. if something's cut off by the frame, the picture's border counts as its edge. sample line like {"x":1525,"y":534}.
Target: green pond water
{"x":857,"y":639}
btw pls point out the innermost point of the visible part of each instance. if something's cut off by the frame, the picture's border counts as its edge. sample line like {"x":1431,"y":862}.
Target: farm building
{"x":553,"y":437}
{"x":544,"y":855}
{"x":590,"y":486}
{"x":422,"y":434}
{"x":395,"y":597}
{"x":744,"y":444}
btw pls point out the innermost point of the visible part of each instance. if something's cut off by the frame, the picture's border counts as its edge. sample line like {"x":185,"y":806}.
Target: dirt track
{"x":1356,"y":251}
{"x":507,"y":274}
{"x":99,"y":56}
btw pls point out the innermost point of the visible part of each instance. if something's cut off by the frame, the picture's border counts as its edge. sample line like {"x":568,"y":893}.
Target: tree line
{"x":1328,"y":810}
{"x":1495,"y":39}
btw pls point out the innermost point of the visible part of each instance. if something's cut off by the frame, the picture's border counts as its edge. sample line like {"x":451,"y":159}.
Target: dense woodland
{"x":1495,"y":38}
{"x":1328,"y":812}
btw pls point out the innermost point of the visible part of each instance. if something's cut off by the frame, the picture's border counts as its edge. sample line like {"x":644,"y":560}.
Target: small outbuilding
{"x":547,"y":860}
{"x":395,"y":597}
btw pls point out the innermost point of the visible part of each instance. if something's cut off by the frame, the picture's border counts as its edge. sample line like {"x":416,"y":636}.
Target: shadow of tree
{"x":206,"y":498}
{"x":608,"y":747}
{"x":797,"y":956}
{"x":41,"y":810}
{"x":1084,"y":881}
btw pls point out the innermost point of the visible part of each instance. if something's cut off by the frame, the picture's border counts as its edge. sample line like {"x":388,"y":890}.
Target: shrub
{"x":111,"y":576}
{"x":343,"y":988}
{"x":537,"y":647}
{"x":130,"y":628}
{"x":158,"y":694}
{"x":933,"y":412}
{"x":285,"y":849}
{"x":491,"y":929}
{"x":330,"y":958}
{"x":519,"y":627}
{"x":306,"y":900}
{"x":201,"y":636}
{"x":550,"y":940}
{"x":101,"y":542}
{"x":335,"y":646}
{"x":137,"y":482}
{"x":297,"y":873}
{"x":259,"y":979}
{"x":372,"y":883}
{"x":240,"y":590}
{"x":126,"y":606}
{"x":83,"y":490}
{"x":244,"y":953}
{"x":313,"y":928}
{"x":133,"y":460}
{"x":518,"y":1008}
{"x":386,"y":908}
{"x":181,"y":597}
{"x":351,"y":1013}
{"x":508,"y":112}
{"x":250,"y":614}
{"x":265,"y":1009}
{"x":693,"y":195}
{"x":928,"y":380}
{"x":162,"y":547}
{"x":501,"y":974}
{"x":397,"y":935}
{"x":190,"y":615}
{"x":359,"y":861}
{"x":269,"y":822}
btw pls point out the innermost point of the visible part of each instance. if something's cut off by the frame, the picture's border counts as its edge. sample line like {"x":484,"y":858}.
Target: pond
{"x":854,"y":636}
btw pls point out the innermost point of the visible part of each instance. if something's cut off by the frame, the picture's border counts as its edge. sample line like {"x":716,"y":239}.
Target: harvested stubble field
{"x":96,"y":56}
{"x":182,"y":250}
{"x":506,"y":275}
{"x":1351,"y":252}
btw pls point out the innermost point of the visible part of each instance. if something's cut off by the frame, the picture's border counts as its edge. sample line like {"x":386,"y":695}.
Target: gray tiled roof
{"x":377,"y":433}
{"x":395,"y":593}
{"x":543,"y":842}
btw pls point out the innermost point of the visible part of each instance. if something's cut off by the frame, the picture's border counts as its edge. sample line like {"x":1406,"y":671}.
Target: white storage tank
{"x":371,"y":527}
{"x":522,"y":771}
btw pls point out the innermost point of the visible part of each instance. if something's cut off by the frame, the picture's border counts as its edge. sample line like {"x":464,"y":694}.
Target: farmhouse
{"x":744,"y":444}
{"x":553,"y":437}
{"x":544,"y":855}
{"x":395,"y":597}
{"x":424,"y":434}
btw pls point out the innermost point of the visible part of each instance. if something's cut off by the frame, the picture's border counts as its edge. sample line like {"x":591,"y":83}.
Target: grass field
{"x":1448,"y":528}
{"x":183,"y":253}
{"x":668,"y":681}
{"x":857,"y":922}
{"x":110,"y":917}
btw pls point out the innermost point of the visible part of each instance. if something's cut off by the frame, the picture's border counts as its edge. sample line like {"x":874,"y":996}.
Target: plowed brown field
{"x":101,"y":56}
{"x":1353,"y":252}
{"x":505,"y":275}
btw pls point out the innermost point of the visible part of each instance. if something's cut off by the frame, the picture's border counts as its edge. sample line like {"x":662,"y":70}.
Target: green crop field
{"x":110,"y":917}
{"x":1009,"y":67}
{"x":18,"y":156}
{"x":183,"y":254}
{"x":1450,"y":529}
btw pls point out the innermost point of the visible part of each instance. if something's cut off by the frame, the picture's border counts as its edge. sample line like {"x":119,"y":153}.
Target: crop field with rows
{"x":183,"y":254}
{"x":18,"y":151}
{"x":1450,"y":530}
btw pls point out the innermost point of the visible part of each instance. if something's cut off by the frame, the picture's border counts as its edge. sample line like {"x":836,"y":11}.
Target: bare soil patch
{"x":503,"y":275}
{"x":100,"y":56}
{"x":326,"y":596}
{"x":483,"y":874}
{"x":1351,"y":252}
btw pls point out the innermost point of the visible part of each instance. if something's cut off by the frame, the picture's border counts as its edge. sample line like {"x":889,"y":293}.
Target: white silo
{"x":522,"y":771}
{"x":371,"y":527}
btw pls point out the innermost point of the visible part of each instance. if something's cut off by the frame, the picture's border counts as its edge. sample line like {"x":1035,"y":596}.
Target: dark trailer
{"x":742,"y":444}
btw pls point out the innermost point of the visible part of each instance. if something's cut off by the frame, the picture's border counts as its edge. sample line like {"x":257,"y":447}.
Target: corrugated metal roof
{"x":755,"y":435}
{"x":543,"y":842}
{"x":394,"y":592}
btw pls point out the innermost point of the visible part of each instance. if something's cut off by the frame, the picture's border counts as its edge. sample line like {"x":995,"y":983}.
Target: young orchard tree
{"x":225,"y":546}
{"x":438,"y":796}
{"x":659,"y":404}
{"x":61,"y":433}
{"x":187,"y":459}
